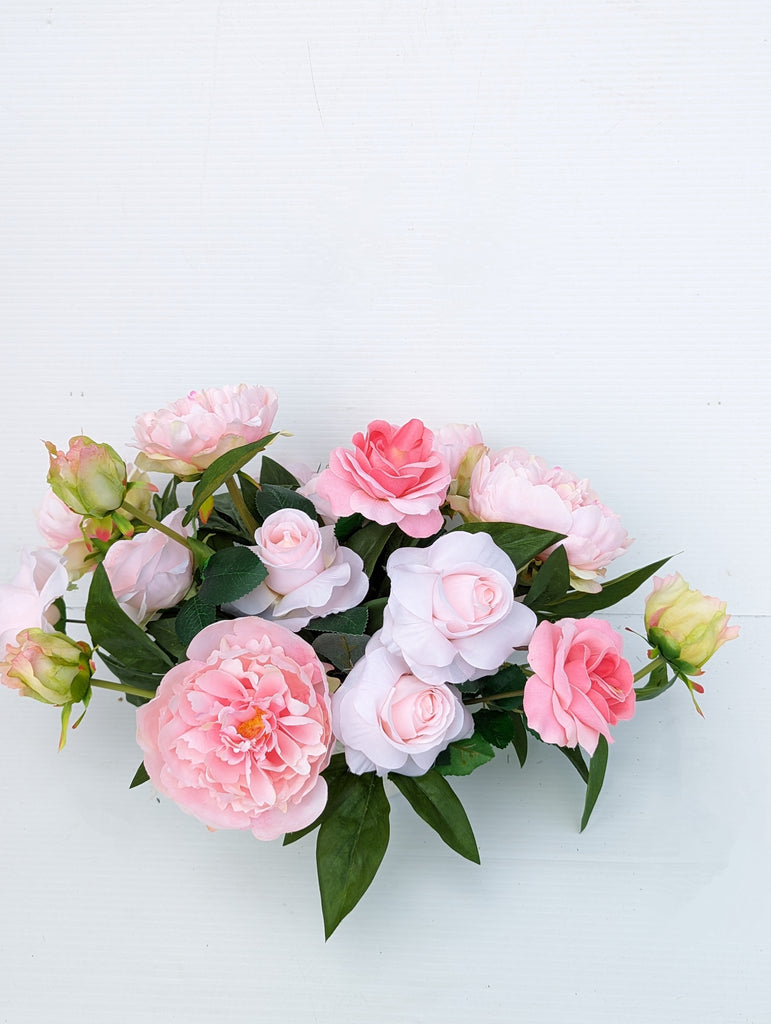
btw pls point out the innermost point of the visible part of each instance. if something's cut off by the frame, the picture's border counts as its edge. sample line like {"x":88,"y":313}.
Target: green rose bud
{"x":50,"y":667}
{"x":90,"y":478}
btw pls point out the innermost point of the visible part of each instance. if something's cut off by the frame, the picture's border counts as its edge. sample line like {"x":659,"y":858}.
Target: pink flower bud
{"x":90,"y":478}
{"x":50,"y":667}
{"x":684,"y":625}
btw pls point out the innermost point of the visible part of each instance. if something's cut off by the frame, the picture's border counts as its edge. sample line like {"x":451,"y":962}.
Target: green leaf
{"x":658,"y":682}
{"x":353,"y":621}
{"x":140,"y":777}
{"x":131,"y":676}
{"x":576,"y":758}
{"x":578,"y":605}
{"x":497,"y":727}
{"x":519,"y":740}
{"x":597,"y":766}
{"x":164,"y":632}
{"x":552,"y":581}
{"x":194,"y":615}
{"x":112,"y":630}
{"x":343,"y":650}
{"x":347,"y":525}
{"x":368,"y":543}
{"x":463,"y":756}
{"x":273,"y":497}
{"x":220,"y":470}
{"x":433,"y":799}
{"x":351,"y":844}
{"x":334,"y":775}
{"x":508,"y":679}
{"x":231,"y":573}
{"x":273,"y":473}
{"x":521,"y":543}
{"x":167,"y":502}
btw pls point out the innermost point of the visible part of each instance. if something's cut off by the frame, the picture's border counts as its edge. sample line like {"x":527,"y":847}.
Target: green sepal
{"x":353,"y":621}
{"x":140,"y":777}
{"x":113,"y":631}
{"x":463,"y":756}
{"x":65,"y":716}
{"x":658,"y":682}
{"x":194,"y":615}
{"x":597,"y":765}
{"x":231,"y":573}
{"x":579,"y":604}
{"x":552,"y":581}
{"x":435,"y":801}
{"x":521,"y":543}
{"x":274,"y":473}
{"x":221,"y":470}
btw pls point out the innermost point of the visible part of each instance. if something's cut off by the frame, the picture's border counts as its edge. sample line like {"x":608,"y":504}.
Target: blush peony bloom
{"x":151,"y":571}
{"x":192,"y":432}
{"x":27,"y":602}
{"x":393,"y":475}
{"x":686,"y":626}
{"x":309,"y":573}
{"x":239,"y":734}
{"x":391,"y":721}
{"x":581,"y":683}
{"x":453,"y":440}
{"x":451,"y":613}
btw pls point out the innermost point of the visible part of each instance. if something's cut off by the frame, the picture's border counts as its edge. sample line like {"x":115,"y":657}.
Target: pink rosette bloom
{"x":27,"y":602}
{"x":451,"y":613}
{"x":390,"y":721}
{"x":239,"y":734}
{"x":453,"y":440}
{"x":309,"y":573}
{"x":393,"y":475}
{"x":150,"y":571}
{"x":192,"y":432}
{"x":581,"y":684}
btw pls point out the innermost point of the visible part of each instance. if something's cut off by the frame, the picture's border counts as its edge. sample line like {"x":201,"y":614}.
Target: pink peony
{"x":454,"y":439}
{"x":194,"y":431}
{"x":239,"y":734}
{"x":309,"y":573}
{"x":451,"y":613}
{"x":151,"y":571}
{"x":393,"y":475}
{"x":581,"y":682}
{"x":27,"y":602}
{"x":391,"y":721}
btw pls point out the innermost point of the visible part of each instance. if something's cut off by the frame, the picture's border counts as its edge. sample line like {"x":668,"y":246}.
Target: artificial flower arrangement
{"x":415,"y":605}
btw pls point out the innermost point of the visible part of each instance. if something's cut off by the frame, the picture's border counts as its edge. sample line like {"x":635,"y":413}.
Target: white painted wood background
{"x":552,"y":219}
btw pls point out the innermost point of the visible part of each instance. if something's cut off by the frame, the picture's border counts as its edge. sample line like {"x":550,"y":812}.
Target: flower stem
{"x":649,"y":668}
{"x":135,"y":691}
{"x":238,"y":500}
{"x":154,"y":524}
{"x":493,"y":697}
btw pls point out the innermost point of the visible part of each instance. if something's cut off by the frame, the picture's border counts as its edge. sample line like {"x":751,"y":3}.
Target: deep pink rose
{"x":192,"y":432}
{"x":451,"y":613}
{"x":393,"y":475}
{"x":581,"y":684}
{"x":391,"y":721}
{"x":239,"y":734}
{"x":27,"y":602}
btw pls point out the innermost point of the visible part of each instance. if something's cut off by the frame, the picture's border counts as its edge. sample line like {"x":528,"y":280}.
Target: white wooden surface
{"x":552,"y":219}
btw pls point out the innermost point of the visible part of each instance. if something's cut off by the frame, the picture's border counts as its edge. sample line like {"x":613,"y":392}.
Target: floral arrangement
{"x":289,"y":639}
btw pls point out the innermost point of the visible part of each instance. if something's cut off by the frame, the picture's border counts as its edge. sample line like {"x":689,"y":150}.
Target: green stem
{"x":238,"y":500}
{"x":135,"y":691}
{"x":154,"y":524}
{"x":649,"y":668}
{"x":493,"y":698}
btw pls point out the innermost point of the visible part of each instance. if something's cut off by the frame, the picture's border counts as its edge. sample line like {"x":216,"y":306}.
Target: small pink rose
{"x":581,"y":683}
{"x":27,"y":602}
{"x":393,"y":475}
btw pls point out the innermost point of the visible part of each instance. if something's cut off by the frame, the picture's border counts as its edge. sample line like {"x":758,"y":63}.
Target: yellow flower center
{"x":251,"y":728}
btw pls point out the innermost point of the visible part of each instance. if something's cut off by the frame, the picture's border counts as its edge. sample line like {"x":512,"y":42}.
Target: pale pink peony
{"x":391,"y":721}
{"x":393,"y":475}
{"x":239,"y":734}
{"x":451,"y":613}
{"x":581,"y":684}
{"x":61,"y":529}
{"x":309,"y":573}
{"x":151,"y":571}
{"x":453,"y":440}
{"x":27,"y":602}
{"x":192,"y":432}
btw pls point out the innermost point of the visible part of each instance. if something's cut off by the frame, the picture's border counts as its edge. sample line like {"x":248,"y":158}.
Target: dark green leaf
{"x":521,"y":543}
{"x":552,"y":581}
{"x":434,"y":800}
{"x":576,"y":758}
{"x":343,"y":650}
{"x":194,"y":615}
{"x":497,"y":727}
{"x":165,"y":633}
{"x":231,"y":573}
{"x":167,"y":502}
{"x":463,"y":756}
{"x":140,"y":777}
{"x":334,"y":774}
{"x":273,"y":473}
{"x":350,"y":847}
{"x":61,"y":607}
{"x":221,"y":470}
{"x":368,"y":543}
{"x":597,"y":766}
{"x":519,"y":740}
{"x":131,"y":676}
{"x":578,"y":605}
{"x":353,"y":621}
{"x":658,"y":682}
{"x":112,"y":630}
{"x":273,"y":497}
{"x":508,"y":679}
{"x":249,"y":492}
{"x":347,"y":525}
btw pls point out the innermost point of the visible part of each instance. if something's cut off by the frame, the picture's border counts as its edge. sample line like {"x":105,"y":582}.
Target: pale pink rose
{"x":453,"y":440}
{"x":239,"y":734}
{"x":27,"y":602}
{"x":393,"y":475}
{"x":390,"y":721}
{"x":192,"y":432}
{"x":150,"y":571}
{"x":451,"y":613}
{"x":61,"y":530}
{"x":309,"y":573}
{"x":581,"y":683}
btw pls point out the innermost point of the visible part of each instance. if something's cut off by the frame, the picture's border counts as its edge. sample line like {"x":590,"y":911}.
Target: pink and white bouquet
{"x":288,"y":644}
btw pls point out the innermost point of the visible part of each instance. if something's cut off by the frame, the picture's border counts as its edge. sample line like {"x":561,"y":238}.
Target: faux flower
{"x":151,"y":571}
{"x":50,"y":667}
{"x":581,"y":683}
{"x":684,"y":625}
{"x":453,"y":440}
{"x":391,"y":721}
{"x":192,"y":432}
{"x":27,"y":602}
{"x":309,"y":573}
{"x":239,"y":734}
{"x":394,"y":474}
{"x":90,"y":478}
{"x":451,"y":613}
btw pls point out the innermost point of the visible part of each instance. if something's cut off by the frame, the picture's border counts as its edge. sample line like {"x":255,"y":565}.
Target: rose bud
{"x":90,"y":478}
{"x":50,"y":667}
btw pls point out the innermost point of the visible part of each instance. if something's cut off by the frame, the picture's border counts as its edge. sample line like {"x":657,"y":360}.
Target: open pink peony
{"x":239,"y":734}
